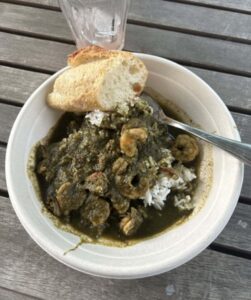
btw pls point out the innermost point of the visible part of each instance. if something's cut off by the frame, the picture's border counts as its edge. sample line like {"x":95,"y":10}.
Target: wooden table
{"x":213,"y":39}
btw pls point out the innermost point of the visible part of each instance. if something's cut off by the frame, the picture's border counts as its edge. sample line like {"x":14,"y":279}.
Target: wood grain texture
{"x":237,"y":233}
{"x":16,"y":85}
{"x":6,"y":294}
{"x":246,"y":188}
{"x":187,"y":49}
{"x":59,"y":27}
{"x":34,"y":20}
{"x":195,"y":19}
{"x":190,"y":18}
{"x":234,"y":90}
{"x":243,"y":124}
{"x":2,"y":169}
{"x":33,"y":53}
{"x":39,"y":3}
{"x":239,"y":5}
{"x":28,"y":269}
{"x":8,"y":114}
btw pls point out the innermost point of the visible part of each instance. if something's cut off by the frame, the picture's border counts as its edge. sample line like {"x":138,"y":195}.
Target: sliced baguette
{"x":98,"y":79}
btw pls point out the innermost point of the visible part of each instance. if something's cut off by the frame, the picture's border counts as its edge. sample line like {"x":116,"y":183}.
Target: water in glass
{"x":97,"y":22}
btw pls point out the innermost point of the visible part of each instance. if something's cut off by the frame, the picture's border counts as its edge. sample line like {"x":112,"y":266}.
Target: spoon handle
{"x":240,"y":150}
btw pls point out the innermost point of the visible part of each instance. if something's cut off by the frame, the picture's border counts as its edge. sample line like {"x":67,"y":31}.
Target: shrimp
{"x":129,"y":139}
{"x":185,"y":148}
{"x":132,"y":186}
{"x":131,"y":222}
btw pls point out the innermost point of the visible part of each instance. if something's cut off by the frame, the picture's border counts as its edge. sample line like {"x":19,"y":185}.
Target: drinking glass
{"x":97,"y":22}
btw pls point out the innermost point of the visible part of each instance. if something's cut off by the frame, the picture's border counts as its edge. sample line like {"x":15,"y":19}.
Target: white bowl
{"x":155,"y":255}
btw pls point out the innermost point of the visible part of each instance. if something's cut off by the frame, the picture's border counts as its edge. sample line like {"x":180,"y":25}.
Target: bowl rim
{"x":113,"y":272}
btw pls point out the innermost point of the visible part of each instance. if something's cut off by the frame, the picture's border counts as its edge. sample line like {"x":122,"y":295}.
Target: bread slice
{"x":98,"y":79}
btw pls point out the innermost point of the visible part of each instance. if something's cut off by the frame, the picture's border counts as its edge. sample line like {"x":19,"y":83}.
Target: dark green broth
{"x":157,"y":222}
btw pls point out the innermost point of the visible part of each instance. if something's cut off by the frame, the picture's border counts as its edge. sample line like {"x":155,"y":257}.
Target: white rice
{"x":157,"y":195}
{"x":186,"y":173}
{"x":96,"y":117}
{"x":183,"y":202}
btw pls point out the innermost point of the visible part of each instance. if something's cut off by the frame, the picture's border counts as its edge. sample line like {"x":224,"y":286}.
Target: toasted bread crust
{"x":82,"y":87}
{"x":92,"y":53}
{"x":88,"y":54}
{"x":77,"y":89}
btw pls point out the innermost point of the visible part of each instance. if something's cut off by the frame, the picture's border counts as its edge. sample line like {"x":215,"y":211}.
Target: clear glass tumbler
{"x":97,"y":22}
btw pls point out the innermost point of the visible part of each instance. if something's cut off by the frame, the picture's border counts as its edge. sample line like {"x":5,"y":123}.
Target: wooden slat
{"x":211,"y":275}
{"x":34,"y":20}
{"x":7,"y":294}
{"x":246,"y":188}
{"x":8,"y":114}
{"x":217,"y":54}
{"x":237,"y":233}
{"x":192,"y":18}
{"x":195,"y":19}
{"x":243,"y":123}
{"x":224,"y":83}
{"x":239,"y":5}
{"x":39,"y":3}
{"x":42,"y":3}
{"x":33,"y":53}
{"x":28,"y":269}
{"x":200,"y":51}
{"x":234,"y":90}
{"x":16,"y":85}
{"x":2,"y":169}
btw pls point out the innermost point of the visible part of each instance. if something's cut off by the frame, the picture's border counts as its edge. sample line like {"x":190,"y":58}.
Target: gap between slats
{"x":212,"y":6}
{"x":130,"y":21}
{"x":139,"y":23}
{"x":185,"y":2}
{"x":214,"y":246}
{"x":244,"y":200}
{"x":190,"y":32}
{"x":239,"y":110}
{"x":39,"y":36}
{"x":177,"y":36}
{"x":26,"y":68}
{"x":30,"y":4}
{"x":3,"y":144}
{"x":211,"y":68}
{"x":4,"y":193}
{"x":229,"y":250}
{"x":19,"y":294}
{"x":10,"y":102}
{"x":179,"y":61}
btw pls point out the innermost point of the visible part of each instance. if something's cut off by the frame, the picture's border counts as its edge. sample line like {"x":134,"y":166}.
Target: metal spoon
{"x":240,"y":150}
